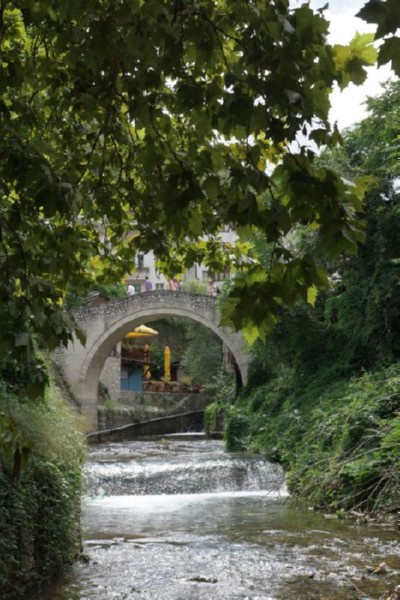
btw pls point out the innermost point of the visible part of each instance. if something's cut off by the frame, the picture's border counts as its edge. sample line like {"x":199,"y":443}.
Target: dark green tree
{"x":355,"y":324}
{"x":202,"y":359}
{"x":366,"y":304}
{"x":145,"y":124}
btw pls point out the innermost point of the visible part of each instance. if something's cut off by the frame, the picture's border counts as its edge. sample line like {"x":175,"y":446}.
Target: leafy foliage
{"x":194,"y":286}
{"x":341,"y":440}
{"x":386,"y":15}
{"x":108,"y":290}
{"x":39,"y":509}
{"x":202,"y":358}
{"x":364,"y":306}
{"x":323,"y":395}
{"x":145,"y":125}
{"x":222,"y":388}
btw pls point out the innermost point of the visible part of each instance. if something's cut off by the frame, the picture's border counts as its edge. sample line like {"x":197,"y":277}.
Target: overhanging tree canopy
{"x":169,"y":119}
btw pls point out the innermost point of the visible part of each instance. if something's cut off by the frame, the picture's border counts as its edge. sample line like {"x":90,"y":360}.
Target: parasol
{"x":141,"y":332}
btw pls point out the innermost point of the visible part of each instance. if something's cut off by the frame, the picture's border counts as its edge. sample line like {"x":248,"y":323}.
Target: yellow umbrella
{"x":167,"y":363}
{"x":142,"y":332}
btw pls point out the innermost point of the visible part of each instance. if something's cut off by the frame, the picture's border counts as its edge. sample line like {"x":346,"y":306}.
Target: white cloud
{"x":348,"y":105}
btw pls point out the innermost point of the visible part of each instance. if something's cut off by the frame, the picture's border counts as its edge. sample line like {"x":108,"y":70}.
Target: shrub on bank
{"x":340,"y":442}
{"x":41,"y":456}
{"x":222,"y":388}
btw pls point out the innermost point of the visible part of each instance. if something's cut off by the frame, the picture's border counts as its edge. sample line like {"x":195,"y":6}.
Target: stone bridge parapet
{"x":159,"y":298}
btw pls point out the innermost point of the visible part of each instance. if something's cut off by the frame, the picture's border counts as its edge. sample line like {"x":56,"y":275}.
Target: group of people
{"x":173,"y":285}
{"x":148,"y":286}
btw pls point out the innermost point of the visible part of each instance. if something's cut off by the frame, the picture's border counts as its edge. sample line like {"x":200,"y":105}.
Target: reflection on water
{"x":232,"y":535}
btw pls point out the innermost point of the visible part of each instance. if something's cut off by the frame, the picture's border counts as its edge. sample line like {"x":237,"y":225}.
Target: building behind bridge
{"x":145,"y":266}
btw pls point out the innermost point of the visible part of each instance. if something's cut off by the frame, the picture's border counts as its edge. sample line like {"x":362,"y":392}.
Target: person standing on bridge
{"x":148,"y":285}
{"x":212,"y":288}
{"x":131,"y":290}
{"x":171,"y":285}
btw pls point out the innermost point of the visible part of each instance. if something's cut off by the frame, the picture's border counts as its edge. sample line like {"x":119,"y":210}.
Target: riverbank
{"x":42,"y":452}
{"x":181,"y":518}
{"x":339,"y":441}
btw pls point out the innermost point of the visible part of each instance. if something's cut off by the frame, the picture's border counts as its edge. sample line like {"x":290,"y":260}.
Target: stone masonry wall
{"x":110,"y":375}
{"x":195,"y":302}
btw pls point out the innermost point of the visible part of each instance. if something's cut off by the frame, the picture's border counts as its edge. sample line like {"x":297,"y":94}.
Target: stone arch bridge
{"x":105,"y":325}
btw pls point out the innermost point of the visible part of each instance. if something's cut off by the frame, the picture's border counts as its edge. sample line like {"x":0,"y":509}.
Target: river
{"x":179,"y":519}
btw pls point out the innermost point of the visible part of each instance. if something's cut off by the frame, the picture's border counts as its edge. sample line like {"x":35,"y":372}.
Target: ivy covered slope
{"x":324,"y":394}
{"x":41,"y":456}
{"x":340,"y":441}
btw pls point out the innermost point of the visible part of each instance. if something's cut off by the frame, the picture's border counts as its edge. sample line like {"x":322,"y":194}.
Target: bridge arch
{"x":105,"y":325}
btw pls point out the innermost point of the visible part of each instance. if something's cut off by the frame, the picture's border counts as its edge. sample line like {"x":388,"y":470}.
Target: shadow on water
{"x":180,"y":519}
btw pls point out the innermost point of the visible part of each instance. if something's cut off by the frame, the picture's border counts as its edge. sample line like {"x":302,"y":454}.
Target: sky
{"x":347,"y":106}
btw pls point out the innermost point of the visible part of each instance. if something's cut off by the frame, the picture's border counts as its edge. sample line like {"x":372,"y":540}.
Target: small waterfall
{"x":183,"y":474}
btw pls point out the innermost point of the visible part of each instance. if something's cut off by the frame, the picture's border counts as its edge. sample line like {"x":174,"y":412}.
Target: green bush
{"x":194,"y":286}
{"x":213,"y":416}
{"x":41,"y":460}
{"x":237,"y":430}
{"x":340,"y":441}
{"x":221,"y":387}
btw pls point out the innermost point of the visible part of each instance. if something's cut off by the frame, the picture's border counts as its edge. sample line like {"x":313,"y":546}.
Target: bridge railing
{"x":167,"y":298}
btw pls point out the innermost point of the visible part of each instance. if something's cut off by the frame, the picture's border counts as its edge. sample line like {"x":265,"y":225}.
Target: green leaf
{"x":211,"y":187}
{"x":386,"y":14}
{"x":390,"y":51}
{"x":312,"y":293}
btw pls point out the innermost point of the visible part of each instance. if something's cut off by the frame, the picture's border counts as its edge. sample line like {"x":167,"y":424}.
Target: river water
{"x":179,"y":519}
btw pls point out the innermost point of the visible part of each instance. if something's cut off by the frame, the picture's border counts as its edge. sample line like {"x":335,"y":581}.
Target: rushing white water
{"x":184,"y":475}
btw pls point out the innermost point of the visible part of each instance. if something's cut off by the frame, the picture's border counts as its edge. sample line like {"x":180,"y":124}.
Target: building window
{"x":137,"y":287}
{"x":204,"y":276}
{"x":140,"y":261}
{"x":225,"y":275}
{"x":159,"y":286}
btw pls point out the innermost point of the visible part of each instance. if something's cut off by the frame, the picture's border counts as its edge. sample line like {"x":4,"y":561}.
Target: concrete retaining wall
{"x":175,"y":424}
{"x":137,"y":407}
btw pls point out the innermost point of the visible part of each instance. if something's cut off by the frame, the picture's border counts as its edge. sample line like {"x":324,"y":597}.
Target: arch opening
{"x":93,"y":365}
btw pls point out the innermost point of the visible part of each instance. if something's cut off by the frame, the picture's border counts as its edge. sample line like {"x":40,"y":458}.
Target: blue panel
{"x":134,"y":380}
